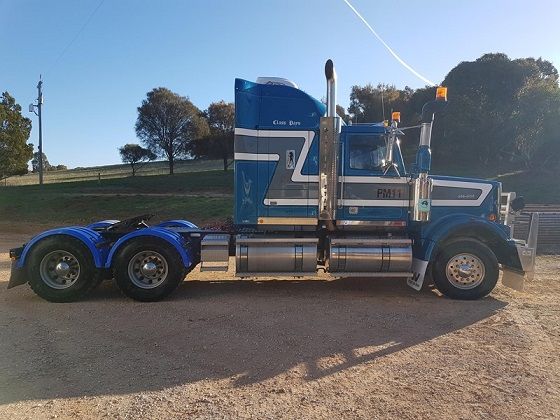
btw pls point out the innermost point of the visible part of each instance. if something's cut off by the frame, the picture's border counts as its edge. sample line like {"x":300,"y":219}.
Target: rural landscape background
{"x":503,"y":122}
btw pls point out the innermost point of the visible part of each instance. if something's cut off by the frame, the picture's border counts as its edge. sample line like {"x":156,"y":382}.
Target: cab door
{"x":366,"y":193}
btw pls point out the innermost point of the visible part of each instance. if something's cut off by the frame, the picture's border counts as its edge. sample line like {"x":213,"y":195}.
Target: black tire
{"x":81,"y":278}
{"x":461,"y":277}
{"x":136,"y":284}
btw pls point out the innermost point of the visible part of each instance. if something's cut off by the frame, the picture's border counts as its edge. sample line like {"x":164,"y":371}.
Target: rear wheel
{"x":61,"y":269}
{"x":465,"y":269}
{"x":148,"y":269}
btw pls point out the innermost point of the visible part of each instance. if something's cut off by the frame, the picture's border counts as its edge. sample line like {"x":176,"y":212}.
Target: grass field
{"x":201,"y":197}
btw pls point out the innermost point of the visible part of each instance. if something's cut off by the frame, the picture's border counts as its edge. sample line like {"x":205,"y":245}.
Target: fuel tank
{"x":274,"y":255}
{"x":365,"y":255}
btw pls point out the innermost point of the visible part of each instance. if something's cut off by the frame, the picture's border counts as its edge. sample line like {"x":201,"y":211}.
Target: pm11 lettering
{"x":389,"y":193}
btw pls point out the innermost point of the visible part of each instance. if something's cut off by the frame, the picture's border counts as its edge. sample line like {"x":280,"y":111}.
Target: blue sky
{"x":197,"y":48}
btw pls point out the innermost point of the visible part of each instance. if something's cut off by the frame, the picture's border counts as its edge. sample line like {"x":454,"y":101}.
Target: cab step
{"x":214,"y":252}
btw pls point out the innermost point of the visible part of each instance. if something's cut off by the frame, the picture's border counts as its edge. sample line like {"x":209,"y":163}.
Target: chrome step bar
{"x":214,"y":253}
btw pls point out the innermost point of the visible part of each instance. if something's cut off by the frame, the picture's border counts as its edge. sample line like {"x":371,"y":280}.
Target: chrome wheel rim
{"x":59,"y":269}
{"x":465,"y":271}
{"x":147,"y":269}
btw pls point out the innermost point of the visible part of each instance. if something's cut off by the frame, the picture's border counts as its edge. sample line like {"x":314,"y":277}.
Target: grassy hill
{"x":201,"y":197}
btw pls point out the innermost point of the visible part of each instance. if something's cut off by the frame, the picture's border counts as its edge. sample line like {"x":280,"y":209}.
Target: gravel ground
{"x":302,"y":349}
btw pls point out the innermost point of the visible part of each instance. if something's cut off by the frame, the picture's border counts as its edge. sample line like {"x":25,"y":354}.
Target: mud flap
{"x":419,"y":273}
{"x":513,"y":279}
{"x":17,"y":275}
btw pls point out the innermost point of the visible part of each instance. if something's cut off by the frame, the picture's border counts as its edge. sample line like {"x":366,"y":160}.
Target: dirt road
{"x":344,"y":349}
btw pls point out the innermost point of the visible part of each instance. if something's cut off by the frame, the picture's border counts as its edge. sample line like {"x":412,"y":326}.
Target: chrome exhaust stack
{"x":329,"y":146}
{"x":330,"y":74}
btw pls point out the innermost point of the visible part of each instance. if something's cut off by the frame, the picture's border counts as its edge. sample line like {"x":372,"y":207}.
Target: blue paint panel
{"x":287,"y":211}
{"x":265,"y":107}
{"x":246,"y":192}
{"x":173,"y":238}
{"x":424,"y":159}
{"x":288,"y":113}
{"x":265,"y":173}
{"x":88,"y":237}
{"x":311,"y":164}
{"x":247,"y":104}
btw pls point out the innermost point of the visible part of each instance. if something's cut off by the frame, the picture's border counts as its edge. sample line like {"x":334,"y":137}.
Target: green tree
{"x":168,"y":123}
{"x":374,"y":104}
{"x":218,"y":144}
{"x":35,"y":163}
{"x":134,"y":155}
{"x":341,"y":112}
{"x":536,"y":120}
{"x":500,"y":111}
{"x":14,"y":133}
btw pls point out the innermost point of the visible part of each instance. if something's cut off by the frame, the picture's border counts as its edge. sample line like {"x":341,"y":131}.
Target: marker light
{"x":396,"y":116}
{"x":441,"y":93}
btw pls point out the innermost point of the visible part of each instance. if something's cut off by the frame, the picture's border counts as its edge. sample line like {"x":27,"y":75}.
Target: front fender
{"x":493,"y":234}
{"x":173,"y":238}
{"x":88,"y":237}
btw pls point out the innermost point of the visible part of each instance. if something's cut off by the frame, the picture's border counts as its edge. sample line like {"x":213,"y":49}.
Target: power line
{"x":90,"y":17}
{"x":393,"y":53}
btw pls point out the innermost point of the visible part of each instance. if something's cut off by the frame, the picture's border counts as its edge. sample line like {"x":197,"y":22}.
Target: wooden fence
{"x":549,"y":227}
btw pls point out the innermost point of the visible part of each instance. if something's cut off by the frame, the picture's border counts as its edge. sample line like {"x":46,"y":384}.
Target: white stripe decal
{"x":485,"y":188}
{"x":271,"y":133}
{"x":291,"y":202}
{"x":372,"y":180}
{"x":273,"y":157}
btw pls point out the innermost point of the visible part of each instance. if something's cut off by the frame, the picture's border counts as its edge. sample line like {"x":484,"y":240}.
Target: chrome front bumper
{"x":527,"y":252}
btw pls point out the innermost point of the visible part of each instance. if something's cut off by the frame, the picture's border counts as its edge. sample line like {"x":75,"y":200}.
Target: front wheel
{"x":148,"y":269}
{"x":465,"y":269}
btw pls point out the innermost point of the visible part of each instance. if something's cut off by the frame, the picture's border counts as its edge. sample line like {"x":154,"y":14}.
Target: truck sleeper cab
{"x":311,"y":195}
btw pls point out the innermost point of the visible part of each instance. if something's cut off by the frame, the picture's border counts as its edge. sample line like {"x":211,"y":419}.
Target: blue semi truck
{"x":312,"y":195}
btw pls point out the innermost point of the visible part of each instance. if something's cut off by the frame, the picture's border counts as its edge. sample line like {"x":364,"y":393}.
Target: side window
{"x":366,"y":152}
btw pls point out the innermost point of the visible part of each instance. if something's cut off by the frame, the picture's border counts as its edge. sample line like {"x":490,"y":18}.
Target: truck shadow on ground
{"x":245,"y":331}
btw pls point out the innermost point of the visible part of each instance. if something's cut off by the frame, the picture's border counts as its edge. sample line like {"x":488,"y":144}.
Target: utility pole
{"x":39,"y":114}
